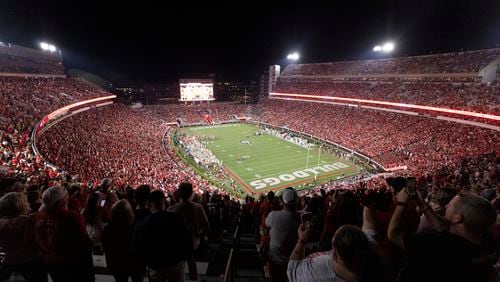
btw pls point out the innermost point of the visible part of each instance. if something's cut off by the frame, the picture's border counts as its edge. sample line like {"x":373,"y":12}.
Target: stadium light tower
{"x":48,"y":47}
{"x":293,"y":56}
{"x":387,"y":47}
{"x":44,"y":46}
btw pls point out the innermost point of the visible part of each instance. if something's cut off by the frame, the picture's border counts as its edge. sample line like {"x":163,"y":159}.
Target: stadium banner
{"x":308,"y":172}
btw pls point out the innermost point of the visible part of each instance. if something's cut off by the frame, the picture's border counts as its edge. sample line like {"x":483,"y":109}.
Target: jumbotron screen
{"x":197,"y":89}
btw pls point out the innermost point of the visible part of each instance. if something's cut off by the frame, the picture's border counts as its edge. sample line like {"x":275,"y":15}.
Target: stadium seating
{"x":16,"y":59}
{"x":450,"y":81}
{"x":462,"y":62}
{"x":134,"y":145}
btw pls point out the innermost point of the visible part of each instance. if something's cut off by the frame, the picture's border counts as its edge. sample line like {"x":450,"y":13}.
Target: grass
{"x":269,"y":163}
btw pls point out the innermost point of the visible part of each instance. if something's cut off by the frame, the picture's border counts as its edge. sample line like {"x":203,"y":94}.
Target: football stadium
{"x":307,"y":145}
{"x":261,"y":162}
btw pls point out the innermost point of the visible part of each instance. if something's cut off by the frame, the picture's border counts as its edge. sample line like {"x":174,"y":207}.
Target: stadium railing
{"x":230,"y":271}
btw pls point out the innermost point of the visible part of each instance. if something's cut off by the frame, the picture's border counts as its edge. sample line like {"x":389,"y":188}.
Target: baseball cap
{"x":290,"y":196}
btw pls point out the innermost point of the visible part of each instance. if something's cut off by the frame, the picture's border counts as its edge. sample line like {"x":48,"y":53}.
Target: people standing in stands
{"x":283,"y":226}
{"x":61,"y":237}
{"x":461,"y":249}
{"x":21,"y":256}
{"x":107,"y":198}
{"x":33,"y":195}
{"x":117,"y":244}
{"x":194,"y":218}
{"x":268,"y":205}
{"x":94,"y":223}
{"x":162,"y":241}
{"x":141,"y":199}
{"x":344,"y":210}
{"x":443,"y":197}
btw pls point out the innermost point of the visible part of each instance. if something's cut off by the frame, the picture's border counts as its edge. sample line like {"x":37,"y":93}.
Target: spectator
{"x":141,"y":198}
{"x":344,"y":210}
{"x":117,"y":243}
{"x":21,"y":256}
{"x":352,"y":258}
{"x":107,"y":198}
{"x":93,"y":215}
{"x":443,"y":197}
{"x":461,"y":250}
{"x":163,"y":242}
{"x":75,"y":202}
{"x":283,"y":226}
{"x":33,"y":194}
{"x":194,"y":218}
{"x":61,"y":237}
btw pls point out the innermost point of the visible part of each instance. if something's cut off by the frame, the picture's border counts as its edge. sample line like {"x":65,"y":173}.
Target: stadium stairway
{"x":247,"y":263}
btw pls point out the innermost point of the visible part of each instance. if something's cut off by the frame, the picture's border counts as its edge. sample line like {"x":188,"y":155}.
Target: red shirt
{"x":60,"y":235}
{"x":265,"y":208}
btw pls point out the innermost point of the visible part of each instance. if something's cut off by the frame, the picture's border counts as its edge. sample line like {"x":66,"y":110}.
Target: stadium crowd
{"x":25,"y":101}
{"x":390,"y":138}
{"x":122,"y":190}
{"x":461,"y":62}
{"x":474,"y":97}
{"x":130,"y":226}
{"x":23,"y":60}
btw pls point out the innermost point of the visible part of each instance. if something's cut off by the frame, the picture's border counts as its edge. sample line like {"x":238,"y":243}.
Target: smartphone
{"x":103,"y":202}
{"x":411,"y":184}
{"x":306,"y":218}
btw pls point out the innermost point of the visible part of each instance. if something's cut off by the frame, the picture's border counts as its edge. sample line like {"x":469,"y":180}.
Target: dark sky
{"x":162,"y":41}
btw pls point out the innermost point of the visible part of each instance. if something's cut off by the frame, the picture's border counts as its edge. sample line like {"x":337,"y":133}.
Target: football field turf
{"x":264,"y":162}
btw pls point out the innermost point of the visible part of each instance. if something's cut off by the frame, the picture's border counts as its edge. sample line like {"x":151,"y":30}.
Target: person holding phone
{"x":461,"y":249}
{"x":352,"y":258}
{"x":306,"y":218}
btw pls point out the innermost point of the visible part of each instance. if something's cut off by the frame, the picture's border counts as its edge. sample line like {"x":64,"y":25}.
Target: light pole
{"x":387,"y":47}
{"x":307,"y":160}
{"x":319,"y":157}
{"x":293,"y":56}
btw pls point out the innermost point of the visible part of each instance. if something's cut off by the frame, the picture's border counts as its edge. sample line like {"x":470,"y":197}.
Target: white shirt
{"x":315,"y":267}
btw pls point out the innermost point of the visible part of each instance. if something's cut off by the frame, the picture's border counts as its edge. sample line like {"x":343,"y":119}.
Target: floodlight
{"x":388,"y":47}
{"x":44,"y":46}
{"x":52,"y":48}
{"x":377,"y":48}
{"x":294,"y":57}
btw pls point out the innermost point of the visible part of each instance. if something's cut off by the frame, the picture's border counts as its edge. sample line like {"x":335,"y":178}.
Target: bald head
{"x":474,"y":212}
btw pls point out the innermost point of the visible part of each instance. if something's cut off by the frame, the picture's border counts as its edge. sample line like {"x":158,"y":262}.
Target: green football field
{"x":262,"y":163}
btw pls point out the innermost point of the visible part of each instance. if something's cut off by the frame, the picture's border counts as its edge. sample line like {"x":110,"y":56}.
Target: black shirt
{"x":438,"y":256}
{"x":162,"y":240}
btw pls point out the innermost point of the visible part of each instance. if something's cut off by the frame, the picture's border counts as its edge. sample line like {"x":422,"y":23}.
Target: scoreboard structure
{"x":196,"y":90}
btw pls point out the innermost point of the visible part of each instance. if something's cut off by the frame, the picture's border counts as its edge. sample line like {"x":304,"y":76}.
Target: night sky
{"x":159,"y":41}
